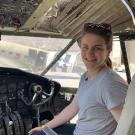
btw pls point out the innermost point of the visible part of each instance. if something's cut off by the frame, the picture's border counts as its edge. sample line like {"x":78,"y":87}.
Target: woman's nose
{"x":90,"y":52}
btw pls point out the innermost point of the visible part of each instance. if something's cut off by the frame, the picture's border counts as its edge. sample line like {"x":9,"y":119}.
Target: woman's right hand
{"x":35,"y":129}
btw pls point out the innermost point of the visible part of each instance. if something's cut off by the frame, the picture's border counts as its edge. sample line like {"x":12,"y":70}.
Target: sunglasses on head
{"x":92,"y":26}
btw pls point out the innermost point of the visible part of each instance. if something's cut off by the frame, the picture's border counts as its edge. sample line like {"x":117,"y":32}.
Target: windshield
{"x":34,"y":54}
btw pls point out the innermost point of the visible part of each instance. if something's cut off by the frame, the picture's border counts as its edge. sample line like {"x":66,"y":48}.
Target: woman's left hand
{"x":35,"y":129}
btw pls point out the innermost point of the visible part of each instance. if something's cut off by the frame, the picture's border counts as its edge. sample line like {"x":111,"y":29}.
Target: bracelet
{"x":43,"y":126}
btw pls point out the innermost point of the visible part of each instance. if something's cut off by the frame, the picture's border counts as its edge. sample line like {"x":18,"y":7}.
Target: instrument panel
{"x":21,"y":96}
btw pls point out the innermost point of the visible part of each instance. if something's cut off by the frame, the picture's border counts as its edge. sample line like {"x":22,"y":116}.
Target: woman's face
{"x":94,"y":51}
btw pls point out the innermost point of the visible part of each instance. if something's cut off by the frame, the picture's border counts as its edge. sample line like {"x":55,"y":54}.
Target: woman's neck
{"x":93,"y":72}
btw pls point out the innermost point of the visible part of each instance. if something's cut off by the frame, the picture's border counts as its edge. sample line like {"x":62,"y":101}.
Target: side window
{"x":40,"y":60}
{"x":130,"y":47}
{"x":32,"y":54}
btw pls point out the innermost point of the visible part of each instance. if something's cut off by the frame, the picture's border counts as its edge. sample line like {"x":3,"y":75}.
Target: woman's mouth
{"x":90,"y":60}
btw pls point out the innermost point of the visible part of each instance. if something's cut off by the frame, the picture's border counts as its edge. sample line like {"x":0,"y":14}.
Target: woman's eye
{"x":98,"y":49}
{"x":84,"y":48}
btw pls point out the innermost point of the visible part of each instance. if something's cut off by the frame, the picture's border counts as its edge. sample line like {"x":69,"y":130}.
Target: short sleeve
{"x":113,"y":93}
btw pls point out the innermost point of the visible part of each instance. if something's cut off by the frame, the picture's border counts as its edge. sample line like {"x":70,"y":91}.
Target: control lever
{"x":37,"y":91}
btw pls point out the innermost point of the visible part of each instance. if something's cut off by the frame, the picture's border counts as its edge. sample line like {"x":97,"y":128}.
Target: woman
{"x":101,"y":94}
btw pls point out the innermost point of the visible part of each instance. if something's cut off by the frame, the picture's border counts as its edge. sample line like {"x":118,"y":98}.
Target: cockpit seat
{"x":126,"y":125}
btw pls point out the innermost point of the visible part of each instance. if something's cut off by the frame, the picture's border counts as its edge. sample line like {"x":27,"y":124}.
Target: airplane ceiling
{"x":64,"y":17}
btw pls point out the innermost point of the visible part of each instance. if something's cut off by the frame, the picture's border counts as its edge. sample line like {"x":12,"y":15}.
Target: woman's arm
{"x":116,"y":112}
{"x":67,"y":114}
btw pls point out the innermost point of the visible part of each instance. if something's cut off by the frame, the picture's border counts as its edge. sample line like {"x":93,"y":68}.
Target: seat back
{"x":127,"y":119}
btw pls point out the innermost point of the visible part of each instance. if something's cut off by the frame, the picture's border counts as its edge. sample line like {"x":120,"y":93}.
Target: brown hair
{"x":103,"y":30}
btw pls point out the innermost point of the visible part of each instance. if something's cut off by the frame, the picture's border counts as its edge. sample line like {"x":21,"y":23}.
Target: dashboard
{"x":17,"y":88}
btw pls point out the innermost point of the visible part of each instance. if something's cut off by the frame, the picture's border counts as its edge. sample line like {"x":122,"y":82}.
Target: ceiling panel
{"x":64,"y":17}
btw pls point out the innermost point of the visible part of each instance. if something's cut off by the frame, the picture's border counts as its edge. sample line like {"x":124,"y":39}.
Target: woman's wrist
{"x":44,"y":126}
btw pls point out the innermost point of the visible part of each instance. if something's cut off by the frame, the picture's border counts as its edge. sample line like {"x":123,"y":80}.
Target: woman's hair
{"x":103,"y":30}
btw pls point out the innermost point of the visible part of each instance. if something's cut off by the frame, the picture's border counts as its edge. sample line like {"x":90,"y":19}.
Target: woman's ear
{"x":109,"y":51}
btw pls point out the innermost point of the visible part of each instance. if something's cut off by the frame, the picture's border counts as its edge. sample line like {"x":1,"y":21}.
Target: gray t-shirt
{"x":96,"y":98}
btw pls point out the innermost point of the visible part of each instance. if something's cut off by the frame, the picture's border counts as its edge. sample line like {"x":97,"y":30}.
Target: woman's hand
{"x":35,"y":129}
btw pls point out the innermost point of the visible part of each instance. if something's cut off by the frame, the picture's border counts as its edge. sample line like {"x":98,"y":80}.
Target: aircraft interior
{"x":28,"y":99}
